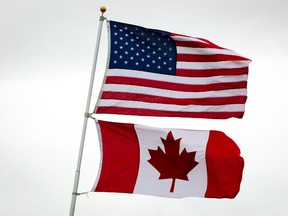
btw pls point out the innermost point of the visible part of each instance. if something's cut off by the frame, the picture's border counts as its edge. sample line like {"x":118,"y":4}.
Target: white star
{"x":147,"y":65}
{"x":126,"y":62}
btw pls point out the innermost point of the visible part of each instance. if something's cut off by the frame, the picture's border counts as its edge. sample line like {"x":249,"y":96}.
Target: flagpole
{"x":86,"y":116}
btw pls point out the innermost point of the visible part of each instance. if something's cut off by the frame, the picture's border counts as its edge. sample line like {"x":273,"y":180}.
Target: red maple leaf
{"x":171,"y":164}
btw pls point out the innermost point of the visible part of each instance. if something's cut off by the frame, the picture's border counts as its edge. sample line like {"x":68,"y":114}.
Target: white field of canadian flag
{"x":167,"y":162}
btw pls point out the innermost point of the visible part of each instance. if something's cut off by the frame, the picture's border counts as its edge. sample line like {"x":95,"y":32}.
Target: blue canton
{"x":141,"y":49}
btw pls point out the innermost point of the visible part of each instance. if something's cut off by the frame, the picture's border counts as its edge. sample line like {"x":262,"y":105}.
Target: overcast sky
{"x":46,"y":54}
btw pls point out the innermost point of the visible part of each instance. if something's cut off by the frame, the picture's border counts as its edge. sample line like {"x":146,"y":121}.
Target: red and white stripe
{"x":210,"y":82}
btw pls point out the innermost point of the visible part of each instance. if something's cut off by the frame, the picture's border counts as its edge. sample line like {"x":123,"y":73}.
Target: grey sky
{"x":46,"y":53}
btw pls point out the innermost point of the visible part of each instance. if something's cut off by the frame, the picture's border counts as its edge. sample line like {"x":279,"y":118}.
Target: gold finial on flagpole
{"x":103,"y":9}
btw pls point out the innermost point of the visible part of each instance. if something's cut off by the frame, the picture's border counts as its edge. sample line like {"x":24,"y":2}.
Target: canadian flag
{"x":167,"y":162}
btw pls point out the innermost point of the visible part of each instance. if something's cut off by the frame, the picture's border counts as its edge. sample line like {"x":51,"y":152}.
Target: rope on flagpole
{"x":86,"y":116}
{"x":78,"y":194}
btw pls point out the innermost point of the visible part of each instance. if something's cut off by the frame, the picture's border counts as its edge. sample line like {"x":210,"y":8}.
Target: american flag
{"x":159,"y":73}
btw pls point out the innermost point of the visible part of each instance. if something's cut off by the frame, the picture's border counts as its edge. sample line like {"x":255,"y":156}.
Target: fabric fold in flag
{"x":157,"y":73}
{"x":165,"y":162}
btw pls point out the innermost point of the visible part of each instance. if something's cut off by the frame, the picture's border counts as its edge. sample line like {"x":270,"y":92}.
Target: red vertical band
{"x":224,"y":166}
{"x":120,"y":159}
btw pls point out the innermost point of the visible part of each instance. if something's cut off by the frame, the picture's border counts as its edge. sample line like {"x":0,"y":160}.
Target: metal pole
{"x":86,"y":116}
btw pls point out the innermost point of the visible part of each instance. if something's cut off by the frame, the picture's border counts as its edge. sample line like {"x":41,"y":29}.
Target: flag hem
{"x":101,"y":155}
{"x":106,"y":69}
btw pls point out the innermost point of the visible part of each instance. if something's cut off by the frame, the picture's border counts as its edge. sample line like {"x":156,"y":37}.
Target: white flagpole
{"x":86,"y":116}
